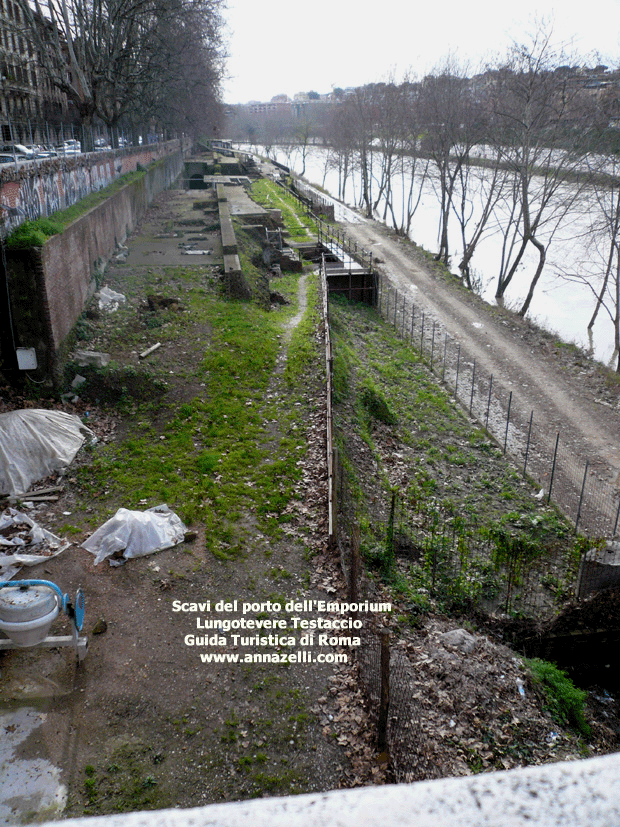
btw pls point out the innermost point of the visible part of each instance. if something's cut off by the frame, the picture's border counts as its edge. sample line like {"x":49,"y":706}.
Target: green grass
{"x":210,"y":459}
{"x":228,"y":456}
{"x":451,"y":479}
{"x":564,"y":700}
{"x":269,"y":195}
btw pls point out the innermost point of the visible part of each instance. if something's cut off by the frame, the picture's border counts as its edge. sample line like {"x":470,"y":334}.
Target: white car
{"x":17,"y":149}
{"x":70,"y":147}
{"x":11,"y":159}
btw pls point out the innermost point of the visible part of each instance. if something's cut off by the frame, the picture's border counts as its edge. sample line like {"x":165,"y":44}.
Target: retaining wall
{"x":49,"y":286}
{"x":36,"y":189}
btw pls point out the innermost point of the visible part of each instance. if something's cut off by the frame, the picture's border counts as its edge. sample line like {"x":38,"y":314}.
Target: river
{"x":560,"y":305}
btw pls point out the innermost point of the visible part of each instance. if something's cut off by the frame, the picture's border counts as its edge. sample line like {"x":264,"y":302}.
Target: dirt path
{"x":143,"y":723}
{"x":567,"y":392}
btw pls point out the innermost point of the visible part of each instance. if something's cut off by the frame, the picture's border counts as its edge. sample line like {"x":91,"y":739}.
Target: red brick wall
{"x":37,"y":189}
{"x":67,"y":262}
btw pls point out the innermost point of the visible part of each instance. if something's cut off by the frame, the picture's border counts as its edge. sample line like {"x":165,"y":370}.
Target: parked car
{"x":47,"y":152}
{"x":11,"y":159}
{"x":17,"y":149}
{"x":70,"y":147}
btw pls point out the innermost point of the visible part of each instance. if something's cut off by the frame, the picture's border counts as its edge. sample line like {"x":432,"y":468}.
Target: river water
{"x":560,"y":305}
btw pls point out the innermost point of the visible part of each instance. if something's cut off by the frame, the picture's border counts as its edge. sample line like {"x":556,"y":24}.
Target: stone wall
{"x":49,"y":286}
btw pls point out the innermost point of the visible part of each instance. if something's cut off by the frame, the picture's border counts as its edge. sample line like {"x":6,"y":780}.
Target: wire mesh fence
{"x":578,"y":487}
{"x":386,"y":673}
{"x":453,"y":560}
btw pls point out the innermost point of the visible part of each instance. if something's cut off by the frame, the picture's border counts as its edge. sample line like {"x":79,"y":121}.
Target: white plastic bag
{"x":36,"y":442}
{"x":135,"y":533}
{"x":24,"y":543}
{"x":110,"y":300}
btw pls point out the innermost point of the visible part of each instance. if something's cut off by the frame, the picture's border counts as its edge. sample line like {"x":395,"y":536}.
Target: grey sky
{"x":275,"y":47}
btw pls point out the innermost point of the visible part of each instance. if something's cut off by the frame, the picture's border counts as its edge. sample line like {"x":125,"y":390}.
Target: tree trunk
{"x":503,"y":283}
{"x":542,"y":257}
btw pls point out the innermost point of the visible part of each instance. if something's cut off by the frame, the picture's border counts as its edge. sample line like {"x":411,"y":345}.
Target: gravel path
{"x":568,"y":393}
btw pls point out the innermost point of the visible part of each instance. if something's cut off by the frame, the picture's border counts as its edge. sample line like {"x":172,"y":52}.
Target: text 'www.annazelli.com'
{"x":274,"y":657}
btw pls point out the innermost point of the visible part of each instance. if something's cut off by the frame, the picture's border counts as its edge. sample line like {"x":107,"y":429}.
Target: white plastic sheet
{"x":135,"y":533}
{"x":110,"y":300}
{"x":36,"y":442}
{"x":24,"y":543}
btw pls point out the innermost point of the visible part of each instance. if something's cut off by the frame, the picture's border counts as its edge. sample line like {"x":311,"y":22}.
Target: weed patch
{"x":564,"y":700}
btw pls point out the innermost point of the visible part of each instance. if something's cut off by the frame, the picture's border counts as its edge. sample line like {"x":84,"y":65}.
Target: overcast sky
{"x":275,"y":47}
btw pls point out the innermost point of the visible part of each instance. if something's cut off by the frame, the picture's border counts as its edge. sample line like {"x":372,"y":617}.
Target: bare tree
{"x":481,"y":185}
{"x":341,"y":138}
{"x":449,"y":117}
{"x":540,"y":117}
{"x":359,"y":109}
{"x":410,"y":169}
{"x":111,"y":57}
{"x":599,"y":269}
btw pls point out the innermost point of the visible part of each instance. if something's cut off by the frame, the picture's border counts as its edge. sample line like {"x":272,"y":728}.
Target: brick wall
{"x":39,"y":188}
{"x":50,"y":286}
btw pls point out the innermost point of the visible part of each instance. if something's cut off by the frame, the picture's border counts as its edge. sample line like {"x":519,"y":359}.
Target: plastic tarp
{"x":24,"y":543}
{"x":135,"y":533}
{"x":110,"y":300}
{"x":34,"y":443}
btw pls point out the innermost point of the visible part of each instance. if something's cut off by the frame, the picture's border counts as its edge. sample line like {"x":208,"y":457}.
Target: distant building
{"x":31,"y":108}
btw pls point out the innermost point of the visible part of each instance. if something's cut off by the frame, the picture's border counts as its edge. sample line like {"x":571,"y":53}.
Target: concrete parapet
{"x":49,"y":286}
{"x":232,"y":265}
{"x":575,"y":793}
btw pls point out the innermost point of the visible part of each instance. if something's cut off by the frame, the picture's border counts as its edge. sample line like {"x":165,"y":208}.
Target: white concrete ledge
{"x":571,"y":794}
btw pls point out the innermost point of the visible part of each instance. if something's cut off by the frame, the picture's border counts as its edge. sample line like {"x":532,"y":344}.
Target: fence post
{"x":384,"y":703}
{"x":555,"y":454}
{"x":433,"y":344}
{"x":486,"y":421}
{"x":458,"y":365}
{"x":507,"y":421}
{"x":335,"y":486}
{"x":445,"y":353}
{"x":527,"y":447}
{"x":355,"y":567}
{"x":583,"y":485}
{"x":422,"y":337}
{"x":473,"y":379}
{"x":395,"y":306}
{"x":412,"y":319}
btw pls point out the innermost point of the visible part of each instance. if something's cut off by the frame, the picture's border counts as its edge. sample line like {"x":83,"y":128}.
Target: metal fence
{"x":456,"y":561}
{"x":575,"y":486}
{"x":40,"y":132}
{"x":387,"y":675}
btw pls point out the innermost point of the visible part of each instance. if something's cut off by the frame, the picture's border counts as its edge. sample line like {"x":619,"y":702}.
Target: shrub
{"x":565,"y":700}
{"x":32,"y":234}
{"x":375,"y":404}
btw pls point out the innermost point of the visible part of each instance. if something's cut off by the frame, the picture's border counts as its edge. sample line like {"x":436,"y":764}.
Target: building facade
{"x":32,"y":110}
